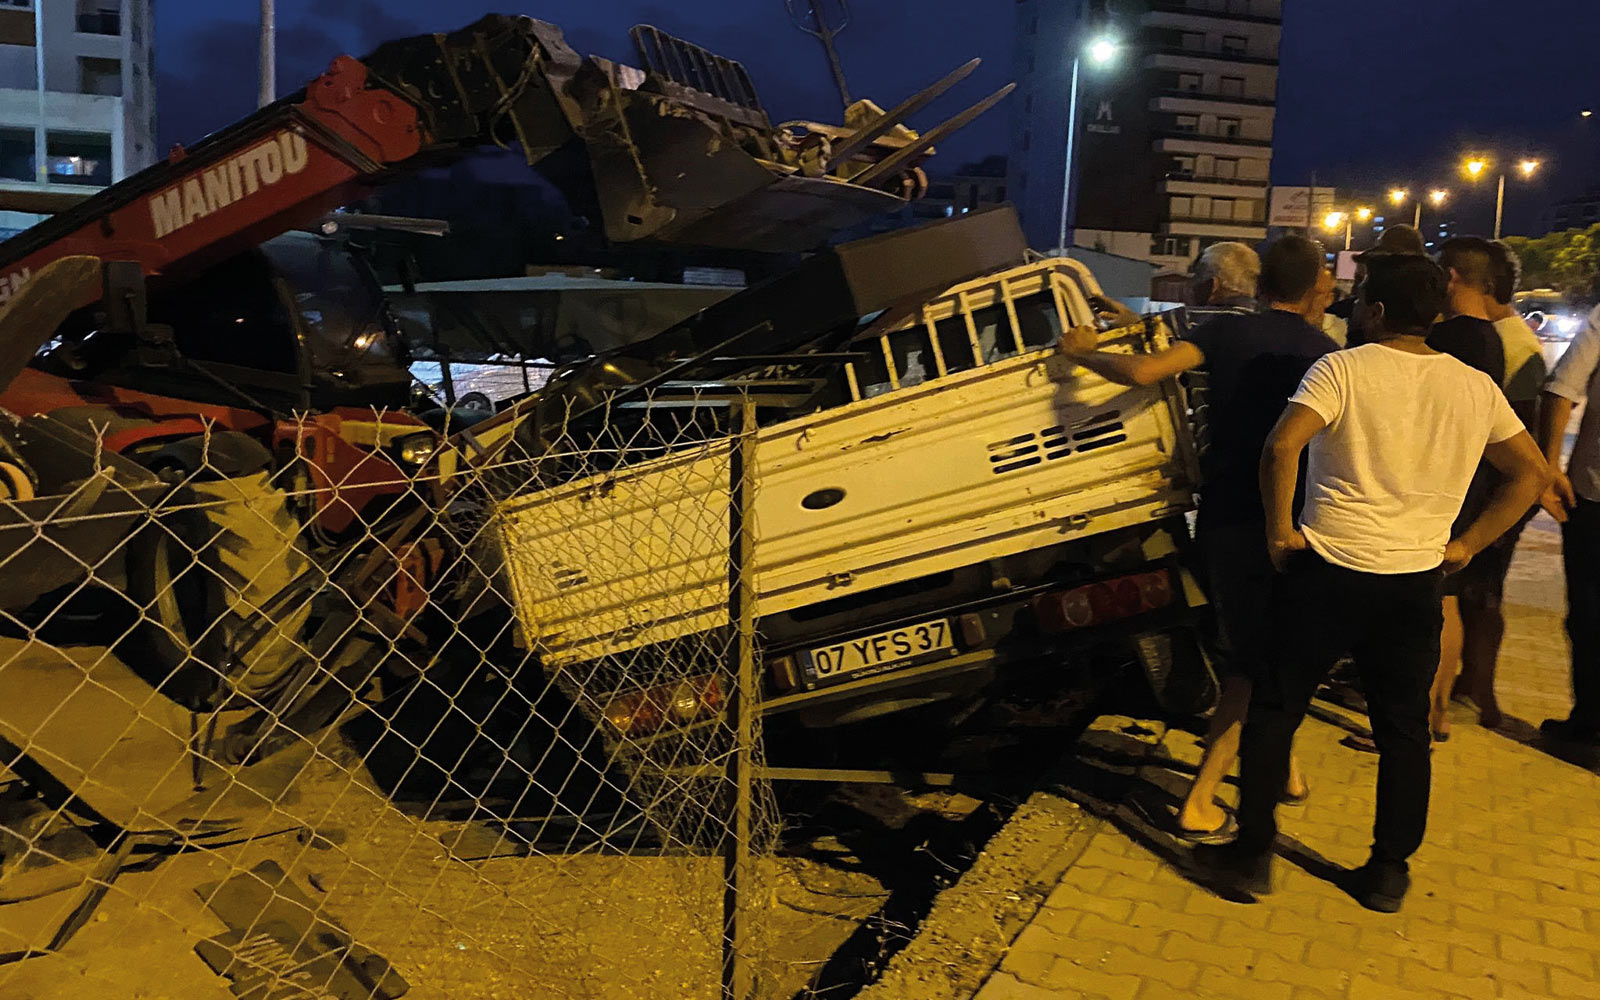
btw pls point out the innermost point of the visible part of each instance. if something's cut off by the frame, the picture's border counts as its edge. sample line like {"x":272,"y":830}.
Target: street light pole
{"x":1499,"y":204}
{"x":1072,"y":135}
{"x":1101,"y":51}
{"x":1416,"y":217}
{"x":269,"y":55}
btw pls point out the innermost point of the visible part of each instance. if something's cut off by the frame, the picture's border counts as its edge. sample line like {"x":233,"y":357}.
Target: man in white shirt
{"x":1395,"y":431}
{"x":1577,"y":378}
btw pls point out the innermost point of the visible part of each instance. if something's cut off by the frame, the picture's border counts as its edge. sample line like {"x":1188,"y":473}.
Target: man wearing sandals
{"x":1395,"y":431}
{"x":1252,"y":360}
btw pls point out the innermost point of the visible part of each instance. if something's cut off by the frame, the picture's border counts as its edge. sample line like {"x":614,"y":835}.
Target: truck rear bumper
{"x":1163,"y":643}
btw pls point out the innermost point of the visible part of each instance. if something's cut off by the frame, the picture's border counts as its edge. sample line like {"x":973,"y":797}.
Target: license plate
{"x":879,"y":651}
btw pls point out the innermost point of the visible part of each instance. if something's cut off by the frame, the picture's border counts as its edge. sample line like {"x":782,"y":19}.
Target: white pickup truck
{"x":970,"y":507}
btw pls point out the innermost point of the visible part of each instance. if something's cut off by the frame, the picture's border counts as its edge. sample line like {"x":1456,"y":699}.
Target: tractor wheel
{"x":208,"y":577}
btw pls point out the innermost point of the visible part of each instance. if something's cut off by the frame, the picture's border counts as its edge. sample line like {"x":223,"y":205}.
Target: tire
{"x":202,"y":576}
{"x":178,"y":645}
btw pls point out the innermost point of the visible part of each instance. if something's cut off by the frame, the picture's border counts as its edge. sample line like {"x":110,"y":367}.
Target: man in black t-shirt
{"x":1469,"y":336}
{"x":1253,"y":363}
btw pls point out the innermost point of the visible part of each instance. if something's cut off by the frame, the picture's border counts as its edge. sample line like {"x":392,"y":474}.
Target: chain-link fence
{"x":352,"y":709}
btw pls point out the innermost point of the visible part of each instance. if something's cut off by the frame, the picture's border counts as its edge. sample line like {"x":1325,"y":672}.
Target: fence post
{"x":737,"y":976}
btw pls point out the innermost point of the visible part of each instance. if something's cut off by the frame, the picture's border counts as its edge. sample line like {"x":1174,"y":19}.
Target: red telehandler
{"x":166,"y":335}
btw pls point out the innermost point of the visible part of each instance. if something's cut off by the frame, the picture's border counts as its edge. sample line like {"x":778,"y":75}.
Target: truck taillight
{"x":784,"y":675}
{"x":656,"y":708}
{"x":1103,"y":601}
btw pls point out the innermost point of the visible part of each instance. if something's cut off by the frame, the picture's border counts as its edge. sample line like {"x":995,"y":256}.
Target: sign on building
{"x":1299,"y":207}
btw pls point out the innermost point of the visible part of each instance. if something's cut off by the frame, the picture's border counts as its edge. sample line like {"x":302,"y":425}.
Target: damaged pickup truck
{"x":942,"y":505}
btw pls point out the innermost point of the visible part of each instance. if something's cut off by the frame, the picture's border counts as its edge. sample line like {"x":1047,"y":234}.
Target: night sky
{"x":1372,"y":91}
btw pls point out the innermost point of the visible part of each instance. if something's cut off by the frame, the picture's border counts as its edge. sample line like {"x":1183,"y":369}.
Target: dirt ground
{"x":455,"y":906}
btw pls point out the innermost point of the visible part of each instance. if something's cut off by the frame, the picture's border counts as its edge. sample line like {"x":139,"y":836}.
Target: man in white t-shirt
{"x":1395,"y":431}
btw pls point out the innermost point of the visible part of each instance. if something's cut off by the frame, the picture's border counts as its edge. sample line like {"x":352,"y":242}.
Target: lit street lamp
{"x":1399,"y":195}
{"x":1333,"y":220}
{"x":1436,"y":198}
{"x":1477,"y":165}
{"x":1101,"y":51}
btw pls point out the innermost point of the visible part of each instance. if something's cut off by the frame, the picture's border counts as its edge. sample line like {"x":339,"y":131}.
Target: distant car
{"x":1557,"y":326}
{"x":1549,"y":313}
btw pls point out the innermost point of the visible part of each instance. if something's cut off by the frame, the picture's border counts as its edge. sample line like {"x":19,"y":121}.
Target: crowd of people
{"x":1369,"y":466}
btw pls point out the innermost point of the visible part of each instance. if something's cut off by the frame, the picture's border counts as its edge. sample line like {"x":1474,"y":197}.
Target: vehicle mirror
{"x":126,"y":312}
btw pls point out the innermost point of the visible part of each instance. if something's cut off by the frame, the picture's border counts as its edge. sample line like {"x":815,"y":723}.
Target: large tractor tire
{"x":223,"y":589}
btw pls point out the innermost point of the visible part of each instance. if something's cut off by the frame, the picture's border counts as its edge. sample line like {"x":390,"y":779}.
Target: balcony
{"x":1172,"y":132}
{"x":1211,"y":95}
{"x":1190,"y":177}
{"x":1181,"y":7}
{"x":1226,"y":220}
{"x":1214,"y":55}
{"x":100,"y":22}
{"x":1244,"y":229}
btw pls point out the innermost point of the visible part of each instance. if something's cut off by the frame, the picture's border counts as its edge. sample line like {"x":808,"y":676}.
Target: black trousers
{"x":1239,"y":582}
{"x":1390,"y":625}
{"x":1580,"y":552}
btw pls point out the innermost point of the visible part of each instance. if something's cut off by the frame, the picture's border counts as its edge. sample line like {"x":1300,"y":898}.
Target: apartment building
{"x":97,"y":101}
{"x":1173,"y":132}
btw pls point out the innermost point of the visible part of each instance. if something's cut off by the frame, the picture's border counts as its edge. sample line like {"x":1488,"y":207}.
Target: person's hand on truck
{"x":1114,"y":313}
{"x":1079,"y":340}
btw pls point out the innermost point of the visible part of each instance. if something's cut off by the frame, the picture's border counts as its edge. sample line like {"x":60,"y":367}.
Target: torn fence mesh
{"x":298,"y":730}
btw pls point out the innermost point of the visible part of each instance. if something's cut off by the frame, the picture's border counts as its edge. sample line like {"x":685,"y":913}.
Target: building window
{"x":1225,"y":170}
{"x":1194,"y":41}
{"x":19,"y":4}
{"x":1228,"y":128}
{"x":1186,"y":123}
{"x":1183,"y":166}
{"x":79,"y":158}
{"x":93,"y":20}
{"x":1180,"y":208}
{"x":100,"y":76}
{"x":16,"y":154}
{"x":1169,"y":246}
{"x":1189,"y":83}
{"x":1222,"y":208}
{"x":1235,"y":45}
{"x":1232,"y":86}
{"x":99,"y":17}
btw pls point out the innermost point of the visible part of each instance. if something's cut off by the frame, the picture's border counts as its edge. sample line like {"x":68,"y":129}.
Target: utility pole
{"x":818,"y":20}
{"x":1499,"y":204}
{"x":41,"y":158}
{"x":269,"y":56}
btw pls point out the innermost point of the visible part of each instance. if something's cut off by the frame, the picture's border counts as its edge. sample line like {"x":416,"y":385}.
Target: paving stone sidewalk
{"x":1506,"y":897}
